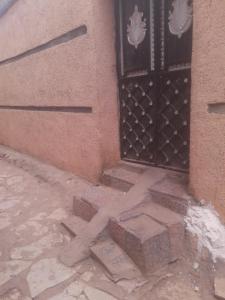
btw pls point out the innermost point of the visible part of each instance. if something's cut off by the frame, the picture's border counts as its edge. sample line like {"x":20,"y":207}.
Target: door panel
{"x":173,"y":109}
{"x":135,"y":59}
{"x":154,"y":58}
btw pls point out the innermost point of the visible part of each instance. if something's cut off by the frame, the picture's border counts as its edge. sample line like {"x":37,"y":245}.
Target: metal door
{"x":154,"y":62}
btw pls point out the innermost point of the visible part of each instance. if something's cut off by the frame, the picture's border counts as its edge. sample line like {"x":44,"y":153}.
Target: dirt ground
{"x":34,"y":199}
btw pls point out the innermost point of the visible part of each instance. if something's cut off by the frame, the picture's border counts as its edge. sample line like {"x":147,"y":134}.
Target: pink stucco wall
{"x":81,"y":72}
{"x":207,"y":174}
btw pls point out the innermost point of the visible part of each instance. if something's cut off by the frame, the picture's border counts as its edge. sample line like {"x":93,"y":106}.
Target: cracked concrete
{"x":34,"y":199}
{"x":47,"y":273}
{"x":35,"y":249}
{"x":31,"y":236}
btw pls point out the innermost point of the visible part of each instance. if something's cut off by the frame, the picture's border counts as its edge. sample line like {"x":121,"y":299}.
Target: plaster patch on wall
{"x":204,"y":223}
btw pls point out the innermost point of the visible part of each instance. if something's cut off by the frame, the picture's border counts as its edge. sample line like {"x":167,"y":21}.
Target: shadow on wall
{"x":5,"y":5}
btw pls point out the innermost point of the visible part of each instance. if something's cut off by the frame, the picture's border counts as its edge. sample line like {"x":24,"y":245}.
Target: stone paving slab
{"x":34,"y":199}
{"x":35,"y":249}
{"x":115,"y":260}
{"x":10,"y":269}
{"x":81,"y":291}
{"x":47,"y":273}
{"x":173,"y":290}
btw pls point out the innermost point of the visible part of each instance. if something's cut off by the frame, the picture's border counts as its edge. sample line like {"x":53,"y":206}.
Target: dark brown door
{"x":154,"y":66}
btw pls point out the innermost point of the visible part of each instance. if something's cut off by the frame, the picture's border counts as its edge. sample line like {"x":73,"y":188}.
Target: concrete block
{"x":173,"y":221}
{"x":93,"y":199}
{"x":84,"y":209}
{"x":115,"y":260}
{"x":144,"y":240}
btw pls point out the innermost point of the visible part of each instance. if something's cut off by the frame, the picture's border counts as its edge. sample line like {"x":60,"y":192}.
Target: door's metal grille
{"x":155,"y":119}
{"x":138,"y":98}
{"x":173,"y":120}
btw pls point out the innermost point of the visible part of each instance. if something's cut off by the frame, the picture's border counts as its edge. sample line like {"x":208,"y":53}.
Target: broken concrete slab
{"x":47,"y":273}
{"x":115,"y":260}
{"x":144,"y":240}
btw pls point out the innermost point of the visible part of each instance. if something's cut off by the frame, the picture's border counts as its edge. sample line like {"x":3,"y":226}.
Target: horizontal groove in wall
{"x":63,"y":109}
{"x":64,"y":38}
{"x":216,"y":108}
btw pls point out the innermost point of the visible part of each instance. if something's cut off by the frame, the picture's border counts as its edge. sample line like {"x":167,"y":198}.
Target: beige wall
{"x":208,"y":86}
{"x":81,"y":72}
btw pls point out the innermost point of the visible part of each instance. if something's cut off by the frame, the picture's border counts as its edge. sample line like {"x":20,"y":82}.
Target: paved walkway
{"x":34,"y":199}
